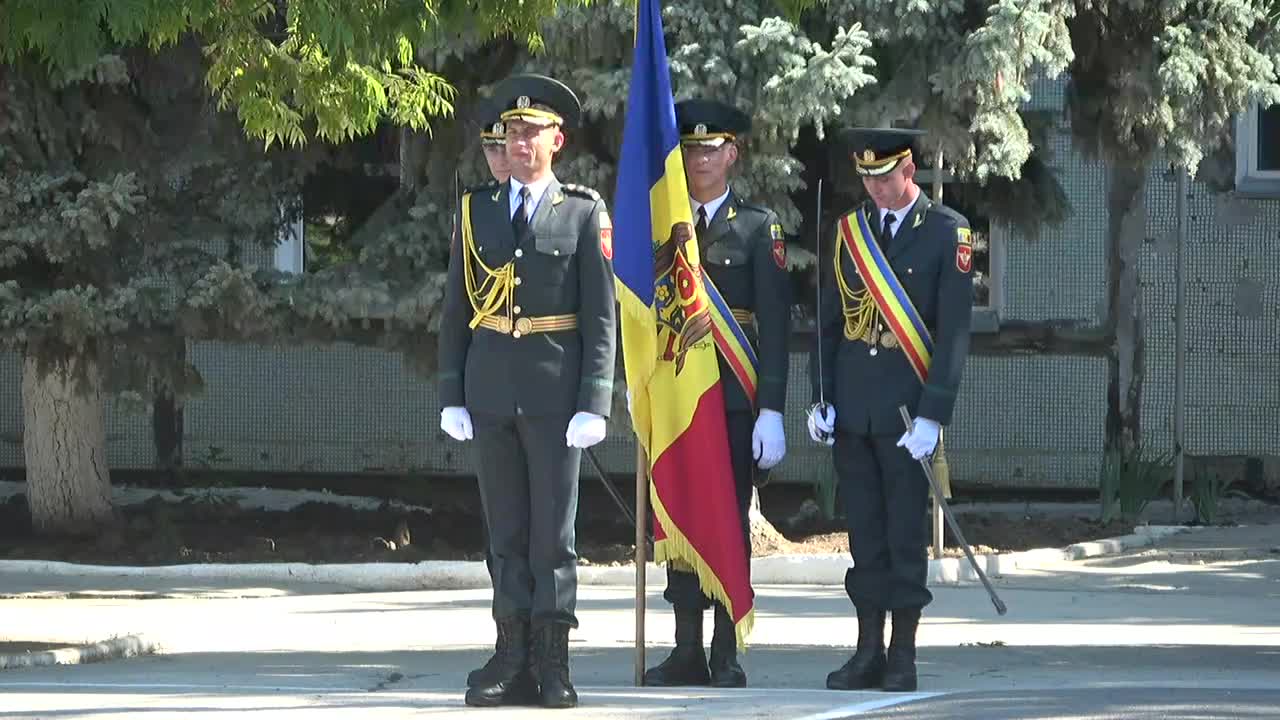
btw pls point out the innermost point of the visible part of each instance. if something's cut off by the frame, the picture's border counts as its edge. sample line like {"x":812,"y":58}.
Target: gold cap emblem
{"x":700,"y":129}
{"x":497,"y":128}
{"x":522,"y":102}
{"x":868,"y":155}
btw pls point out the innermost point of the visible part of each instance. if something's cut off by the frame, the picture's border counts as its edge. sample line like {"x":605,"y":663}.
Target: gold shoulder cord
{"x":495,"y":290}
{"x":859,"y":307}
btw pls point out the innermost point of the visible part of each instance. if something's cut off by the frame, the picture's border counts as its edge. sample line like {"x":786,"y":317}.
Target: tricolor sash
{"x":890,"y":297}
{"x":732,"y":341}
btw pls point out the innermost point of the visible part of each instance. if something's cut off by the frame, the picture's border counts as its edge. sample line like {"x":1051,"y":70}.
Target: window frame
{"x":1251,"y":181}
{"x":290,"y":250}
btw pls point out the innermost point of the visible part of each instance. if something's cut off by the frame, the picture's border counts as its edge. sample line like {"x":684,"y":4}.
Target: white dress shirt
{"x":712,"y":207}
{"x":898,"y":216}
{"x":536,"y":191}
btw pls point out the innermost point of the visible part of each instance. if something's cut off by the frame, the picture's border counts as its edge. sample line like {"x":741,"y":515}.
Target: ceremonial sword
{"x":951,"y":520}
{"x":821,"y":407}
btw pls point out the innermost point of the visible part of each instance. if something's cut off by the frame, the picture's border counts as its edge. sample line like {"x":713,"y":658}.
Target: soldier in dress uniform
{"x":743,"y":253}
{"x":526,"y":372}
{"x":877,"y":353}
{"x":493,"y":143}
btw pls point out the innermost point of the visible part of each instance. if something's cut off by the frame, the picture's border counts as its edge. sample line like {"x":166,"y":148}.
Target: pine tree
{"x":136,"y":212}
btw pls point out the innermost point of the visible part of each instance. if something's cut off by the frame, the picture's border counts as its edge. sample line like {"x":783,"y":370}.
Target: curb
{"x":828,"y":569}
{"x":113,"y":649}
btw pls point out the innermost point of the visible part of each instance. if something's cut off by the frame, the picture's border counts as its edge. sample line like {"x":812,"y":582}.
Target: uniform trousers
{"x":529,"y":490}
{"x":886,"y":495}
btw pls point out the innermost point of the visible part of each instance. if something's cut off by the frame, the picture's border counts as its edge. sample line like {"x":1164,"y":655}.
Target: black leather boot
{"x":551,"y":665}
{"x":484,"y":673}
{"x":725,"y":670}
{"x":511,"y":683}
{"x":866,"y":668}
{"x":900,"y":673}
{"x":687,"y":663}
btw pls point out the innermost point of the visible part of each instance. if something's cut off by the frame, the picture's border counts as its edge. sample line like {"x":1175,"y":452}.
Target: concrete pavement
{"x":1189,"y":624}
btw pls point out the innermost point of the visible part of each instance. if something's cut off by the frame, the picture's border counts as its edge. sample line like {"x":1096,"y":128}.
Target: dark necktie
{"x":886,"y":231}
{"x":702,"y":218}
{"x":519,"y":220}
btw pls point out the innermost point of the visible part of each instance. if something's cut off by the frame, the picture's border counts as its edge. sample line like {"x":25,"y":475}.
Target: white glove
{"x":822,"y":425}
{"x":456,"y":421}
{"x":922,"y":439}
{"x":585,"y":429}
{"x":768,"y":441}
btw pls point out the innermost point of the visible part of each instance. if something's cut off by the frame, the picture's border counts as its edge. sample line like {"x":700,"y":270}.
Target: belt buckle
{"x":502,"y":325}
{"x":524,"y":326}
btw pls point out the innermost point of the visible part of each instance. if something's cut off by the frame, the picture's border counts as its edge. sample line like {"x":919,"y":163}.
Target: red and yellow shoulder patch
{"x":779,"y":249}
{"x":606,"y":236}
{"x":964,"y":250}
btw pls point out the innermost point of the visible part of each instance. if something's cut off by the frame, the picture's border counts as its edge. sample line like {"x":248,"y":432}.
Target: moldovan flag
{"x":677,"y":400}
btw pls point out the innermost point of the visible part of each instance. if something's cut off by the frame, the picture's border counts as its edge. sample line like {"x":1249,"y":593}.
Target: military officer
{"x":743,"y":253}
{"x":526,"y":373}
{"x":878,"y":353}
{"x":493,"y":143}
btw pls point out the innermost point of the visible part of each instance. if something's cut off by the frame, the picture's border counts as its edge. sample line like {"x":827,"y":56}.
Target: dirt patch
{"x":207,"y":529}
{"x":22,"y":648}
{"x":986,"y":533}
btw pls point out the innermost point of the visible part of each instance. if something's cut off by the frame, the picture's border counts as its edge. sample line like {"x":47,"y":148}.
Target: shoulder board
{"x":749,"y":207}
{"x":951,"y":215}
{"x":482,"y":187}
{"x":581,"y":190}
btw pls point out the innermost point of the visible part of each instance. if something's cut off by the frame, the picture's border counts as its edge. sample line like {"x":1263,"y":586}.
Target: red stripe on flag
{"x":693,"y":502}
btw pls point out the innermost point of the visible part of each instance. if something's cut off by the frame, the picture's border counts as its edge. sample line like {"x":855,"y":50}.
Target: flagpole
{"x":642,"y":515}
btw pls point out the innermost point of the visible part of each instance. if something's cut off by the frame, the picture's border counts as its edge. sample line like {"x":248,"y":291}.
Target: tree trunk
{"x":1126,"y":229}
{"x":167,"y":419}
{"x":65,"y":445}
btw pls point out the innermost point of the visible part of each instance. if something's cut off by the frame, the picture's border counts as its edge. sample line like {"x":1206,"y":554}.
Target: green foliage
{"x":1130,"y":479}
{"x":1207,"y":490}
{"x":1169,"y":75}
{"x":288,"y":67}
{"x":961,"y":72}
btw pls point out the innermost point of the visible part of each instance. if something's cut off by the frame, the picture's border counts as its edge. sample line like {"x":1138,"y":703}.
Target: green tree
{"x":135,"y":211}
{"x":1158,"y":81}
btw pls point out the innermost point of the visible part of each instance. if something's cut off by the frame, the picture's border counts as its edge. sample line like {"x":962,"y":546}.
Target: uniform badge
{"x":964,"y":250}
{"x":868,"y":155}
{"x":498,"y":129}
{"x":780,"y":254}
{"x":606,"y":236}
{"x":700,"y":129}
{"x":522,"y":102}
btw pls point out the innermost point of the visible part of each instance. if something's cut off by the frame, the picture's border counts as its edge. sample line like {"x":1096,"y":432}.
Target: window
{"x":1258,"y":152}
{"x":289,"y":250}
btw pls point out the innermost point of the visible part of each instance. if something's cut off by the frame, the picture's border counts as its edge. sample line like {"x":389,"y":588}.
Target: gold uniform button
{"x":726,"y":261}
{"x":874,"y":352}
{"x":515,"y":333}
{"x":909,"y":271}
{"x":519,"y":252}
{"x":555,"y":252}
{"x":518,"y":281}
{"x":516,"y":310}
